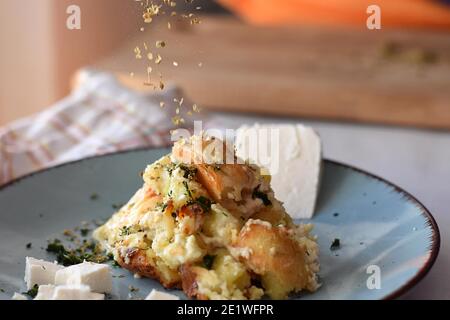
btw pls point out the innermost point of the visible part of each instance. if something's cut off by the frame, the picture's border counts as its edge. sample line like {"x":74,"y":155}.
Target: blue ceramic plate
{"x":381,"y":228}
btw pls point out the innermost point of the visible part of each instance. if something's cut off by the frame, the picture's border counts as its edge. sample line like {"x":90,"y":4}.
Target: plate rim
{"x":435,"y":239}
{"x":430,"y":220}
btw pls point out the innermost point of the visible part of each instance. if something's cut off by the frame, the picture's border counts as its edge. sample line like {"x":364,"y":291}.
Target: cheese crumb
{"x":97,"y":276}
{"x":40,"y":272}
{"x":159,"y":295}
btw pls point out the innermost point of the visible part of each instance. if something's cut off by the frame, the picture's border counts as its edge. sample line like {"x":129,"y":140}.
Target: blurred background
{"x":379,"y":98}
{"x":293,"y":57}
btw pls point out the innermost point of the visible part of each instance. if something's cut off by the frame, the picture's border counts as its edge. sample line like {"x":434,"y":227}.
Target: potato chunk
{"x":275,"y":255}
{"x":227,"y":279}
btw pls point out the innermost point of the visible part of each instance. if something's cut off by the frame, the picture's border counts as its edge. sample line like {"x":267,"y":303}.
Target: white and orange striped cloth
{"x":99,"y":117}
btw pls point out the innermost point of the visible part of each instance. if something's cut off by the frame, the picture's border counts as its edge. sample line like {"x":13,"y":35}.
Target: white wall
{"x":38,"y":54}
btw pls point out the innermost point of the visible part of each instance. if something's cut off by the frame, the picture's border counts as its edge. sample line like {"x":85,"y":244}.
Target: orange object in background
{"x":394,"y":13}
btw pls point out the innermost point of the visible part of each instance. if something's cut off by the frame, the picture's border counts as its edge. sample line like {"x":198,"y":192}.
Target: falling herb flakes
{"x":150,"y":10}
{"x":158,"y":59}
{"x":335,"y":245}
{"x":177,"y":120}
{"x":160,"y":44}
{"x":28,"y":246}
{"x":137,"y":53}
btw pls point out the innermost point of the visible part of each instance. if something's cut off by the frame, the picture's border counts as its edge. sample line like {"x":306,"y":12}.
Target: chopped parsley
{"x":335,"y":245}
{"x":261,"y":195}
{"x":188,"y":192}
{"x":170,"y":169}
{"x":115,"y":264}
{"x":208,"y":261}
{"x":94,"y":196}
{"x":86,"y":251}
{"x":203,"y":202}
{"x":133,"y":289}
{"x":117,"y":206}
{"x":32,"y":292}
{"x":189,"y":173}
{"x":84,"y":232}
{"x":64,"y":256}
{"x":162,"y":206}
{"x":125,"y":231}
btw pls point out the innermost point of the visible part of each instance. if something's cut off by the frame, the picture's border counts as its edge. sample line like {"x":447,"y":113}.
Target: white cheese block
{"x":159,"y":295}
{"x":45,"y":292}
{"x":67,"y":292}
{"x":18,"y":296}
{"x":293,"y":156}
{"x":76,"y":292}
{"x":97,"y":276}
{"x":39,"y":272}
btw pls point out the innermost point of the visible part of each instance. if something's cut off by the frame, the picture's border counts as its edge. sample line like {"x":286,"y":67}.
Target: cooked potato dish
{"x":213,"y":229}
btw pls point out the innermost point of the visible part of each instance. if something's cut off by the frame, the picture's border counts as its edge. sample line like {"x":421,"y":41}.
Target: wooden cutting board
{"x":387,"y":76}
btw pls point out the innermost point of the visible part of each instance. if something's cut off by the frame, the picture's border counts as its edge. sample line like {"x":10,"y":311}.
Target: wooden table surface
{"x":388,"y":76}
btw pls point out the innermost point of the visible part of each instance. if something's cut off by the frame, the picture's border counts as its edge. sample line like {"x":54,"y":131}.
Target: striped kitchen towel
{"x":98,"y":117}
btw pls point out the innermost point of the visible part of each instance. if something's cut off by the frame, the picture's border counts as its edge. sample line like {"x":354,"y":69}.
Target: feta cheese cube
{"x":96,"y":276}
{"x":45,"y":292}
{"x":292,"y":153}
{"x":67,"y":292}
{"x":159,"y":295}
{"x":40,"y":272}
{"x":18,"y":296}
{"x":76,"y":292}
